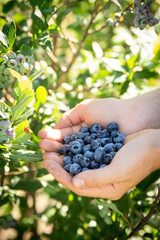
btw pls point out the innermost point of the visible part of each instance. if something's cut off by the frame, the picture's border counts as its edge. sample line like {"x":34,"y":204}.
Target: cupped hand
{"x":132,"y":163}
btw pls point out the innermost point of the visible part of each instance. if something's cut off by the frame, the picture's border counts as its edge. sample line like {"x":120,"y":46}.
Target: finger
{"x":49,"y":146}
{"x":74,"y":116}
{"x":57,"y":134}
{"x":54,"y":166}
{"x":95,"y":178}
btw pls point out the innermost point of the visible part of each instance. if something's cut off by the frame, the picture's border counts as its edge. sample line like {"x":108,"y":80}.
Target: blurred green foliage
{"x":78,"y":56}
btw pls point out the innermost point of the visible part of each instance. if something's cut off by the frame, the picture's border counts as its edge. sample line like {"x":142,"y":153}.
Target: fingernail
{"x":42,"y":134}
{"x":78,"y":182}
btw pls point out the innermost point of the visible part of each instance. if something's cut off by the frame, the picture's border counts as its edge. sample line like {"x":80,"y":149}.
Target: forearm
{"x":145,"y":109}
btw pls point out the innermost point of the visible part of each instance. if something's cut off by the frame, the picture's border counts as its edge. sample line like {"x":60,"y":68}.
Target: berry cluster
{"x":18,"y":62}
{"x":91,"y":148}
{"x":114,"y":22}
{"x":6,"y":132}
{"x":143,"y":14}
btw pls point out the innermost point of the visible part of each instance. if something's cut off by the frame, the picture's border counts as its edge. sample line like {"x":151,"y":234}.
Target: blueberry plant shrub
{"x":54,"y":54}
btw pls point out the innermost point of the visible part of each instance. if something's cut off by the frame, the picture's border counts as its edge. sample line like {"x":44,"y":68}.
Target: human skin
{"x":137,"y":159}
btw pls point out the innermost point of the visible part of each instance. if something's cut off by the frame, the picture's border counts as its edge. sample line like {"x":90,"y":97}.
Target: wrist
{"x":155,"y":138}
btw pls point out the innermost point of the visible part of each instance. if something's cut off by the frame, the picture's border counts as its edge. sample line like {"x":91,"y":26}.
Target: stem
{"x":75,"y":55}
{"x":149,"y":215}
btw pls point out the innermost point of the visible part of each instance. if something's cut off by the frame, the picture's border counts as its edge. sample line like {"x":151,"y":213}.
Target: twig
{"x":149,"y":215}
{"x":98,"y":30}
{"x":64,"y":74}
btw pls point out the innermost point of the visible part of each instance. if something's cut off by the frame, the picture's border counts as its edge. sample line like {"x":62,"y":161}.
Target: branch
{"x":98,"y":30}
{"x":63,"y":75}
{"x":149,"y":215}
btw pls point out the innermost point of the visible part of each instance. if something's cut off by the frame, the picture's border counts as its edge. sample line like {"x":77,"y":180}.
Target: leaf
{"x":37,"y":23}
{"x":145,"y":73}
{"x":25,"y":50}
{"x":26,"y":156}
{"x":124,"y":87}
{"x":131,"y":61}
{"x":15,"y":74}
{"x":35,"y":75}
{"x":111,"y":206}
{"x":113,"y":63}
{"x":19,"y":108}
{"x":29,"y":185}
{"x":5,"y":110}
{"x":149,"y":180}
{"x":3,"y":39}
{"x":41,"y":94}
{"x":9,"y":30}
{"x":25,"y":115}
{"x":21,"y":135}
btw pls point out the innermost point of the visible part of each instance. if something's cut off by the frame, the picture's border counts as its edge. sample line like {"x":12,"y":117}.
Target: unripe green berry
{"x":6,"y":72}
{"x":117,"y":16}
{"x":5,"y":57}
{"x":5,"y":124}
{"x":21,"y":69}
{"x":11,"y":55}
{"x":4,"y":139}
{"x":6,"y":83}
{"x":110,"y":22}
{"x":1,"y":85}
{"x":2,"y":132}
{"x":12,"y":63}
{"x":20,"y":59}
{"x":2,"y":67}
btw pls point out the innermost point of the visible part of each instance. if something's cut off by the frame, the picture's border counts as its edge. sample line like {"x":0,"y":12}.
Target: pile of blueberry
{"x":18,"y":62}
{"x":91,"y":148}
{"x":7,"y":133}
{"x":143,"y":14}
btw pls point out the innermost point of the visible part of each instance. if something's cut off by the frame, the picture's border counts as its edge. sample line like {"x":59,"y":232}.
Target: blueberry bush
{"x":53,"y":55}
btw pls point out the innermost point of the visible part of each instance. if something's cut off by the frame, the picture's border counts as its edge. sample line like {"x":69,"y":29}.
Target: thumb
{"x":95,"y":178}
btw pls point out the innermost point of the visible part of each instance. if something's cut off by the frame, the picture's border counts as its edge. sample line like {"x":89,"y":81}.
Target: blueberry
{"x":107,"y":159}
{"x":84,"y":161}
{"x":103,"y":165}
{"x":93,"y":136}
{"x":118,"y":146}
{"x":94,"y":164}
{"x":67,"y":167}
{"x":67,"y":139}
{"x":80,"y":135}
{"x":73,"y":136}
{"x":104,"y":141}
{"x":95,"y":128}
{"x":77,"y":158}
{"x":87,"y":134}
{"x":85,"y":129}
{"x":76,"y":147}
{"x":103,"y":134}
{"x":87,"y":148}
{"x":95,"y":144}
{"x":75,"y":168}
{"x":10,"y":132}
{"x":81,"y":142}
{"x":114,"y":134}
{"x":84,"y":169}
{"x":112,"y":154}
{"x":109,"y":147}
{"x":99,"y":154}
{"x":64,"y":150}
{"x":112,"y":126}
{"x":87,"y":139}
{"x":67,"y":160}
{"x":89,"y":155}
{"x":119,"y":138}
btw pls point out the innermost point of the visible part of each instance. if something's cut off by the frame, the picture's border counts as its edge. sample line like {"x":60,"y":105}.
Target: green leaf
{"x":38,"y":24}
{"x":26,"y":156}
{"x":62,"y":15}
{"x":25,"y":115}
{"x":5,"y":110}
{"x":3,"y":39}
{"x":41,"y":94}
{"x":111,"y":206}
{"x":21,"y":135}
{"x":131,"y":61}
{"x":145,"y":73}
{"x":9,"y":30}
{"x":149,"y":180}
{"x":30,"y":185}
{"x":25,"y":50}
{"x":124,"y":87}
{"x":35,"y":75}
{"x":19,"y":108}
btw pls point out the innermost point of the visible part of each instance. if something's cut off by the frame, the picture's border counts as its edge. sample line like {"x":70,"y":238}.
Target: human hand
{"x":132,"y":163}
